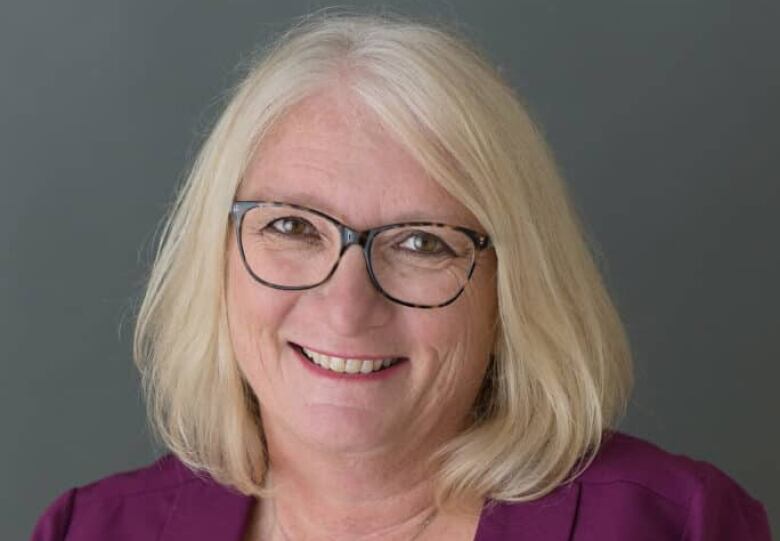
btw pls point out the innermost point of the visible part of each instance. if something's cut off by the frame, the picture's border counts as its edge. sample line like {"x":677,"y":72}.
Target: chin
{"x":343,"y":429}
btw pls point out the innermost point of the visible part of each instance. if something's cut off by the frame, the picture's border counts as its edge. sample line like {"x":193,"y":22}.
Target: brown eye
{"x":292,"y":226}
{"x":425,"y":244}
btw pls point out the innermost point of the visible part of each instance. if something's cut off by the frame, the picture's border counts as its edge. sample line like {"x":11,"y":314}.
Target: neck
{"x":381,"y":494}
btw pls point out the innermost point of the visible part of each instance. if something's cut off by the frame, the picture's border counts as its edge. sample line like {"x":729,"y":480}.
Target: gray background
{"x":663,"y":115}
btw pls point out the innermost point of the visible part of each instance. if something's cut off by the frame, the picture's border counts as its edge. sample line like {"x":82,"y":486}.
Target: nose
{"x":349,"y":301}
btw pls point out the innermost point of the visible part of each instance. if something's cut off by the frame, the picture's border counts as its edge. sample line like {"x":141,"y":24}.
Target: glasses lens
{"x":289,"y":247}
{"x":423,"y":265}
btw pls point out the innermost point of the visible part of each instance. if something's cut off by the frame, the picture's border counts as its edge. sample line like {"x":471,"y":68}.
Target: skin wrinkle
{"x":371,"y":440}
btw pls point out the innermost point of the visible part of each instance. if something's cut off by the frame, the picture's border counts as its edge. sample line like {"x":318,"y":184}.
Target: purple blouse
{"x":632,"y":491}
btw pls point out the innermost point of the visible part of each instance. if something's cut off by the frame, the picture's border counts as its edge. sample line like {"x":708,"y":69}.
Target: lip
{"x":373,"y":376}
{"x":348,"y":355}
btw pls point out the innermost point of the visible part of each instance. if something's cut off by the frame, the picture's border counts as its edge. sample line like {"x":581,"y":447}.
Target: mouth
{"x":347,"y":366}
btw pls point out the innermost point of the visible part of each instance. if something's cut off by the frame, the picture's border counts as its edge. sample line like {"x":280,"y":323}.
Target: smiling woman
{"x":373,"y":316}
{"x":334,"y":148}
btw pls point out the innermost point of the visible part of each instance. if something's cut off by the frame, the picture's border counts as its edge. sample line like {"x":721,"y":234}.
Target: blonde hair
{"x":562,"y":372}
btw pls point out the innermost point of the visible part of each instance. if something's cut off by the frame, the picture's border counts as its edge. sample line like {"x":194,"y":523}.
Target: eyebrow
{"x":307,"y":199}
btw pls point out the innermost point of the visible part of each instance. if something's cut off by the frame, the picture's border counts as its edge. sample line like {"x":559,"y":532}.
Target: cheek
{"x":466,"y":333}
{"x":456,"y":342}
{"x":254,"y":314}
{"x":459,"y":337}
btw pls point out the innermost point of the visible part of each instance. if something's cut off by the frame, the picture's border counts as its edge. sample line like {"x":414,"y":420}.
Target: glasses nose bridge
{"x":351,"y":236}
{"x":363,"y":240}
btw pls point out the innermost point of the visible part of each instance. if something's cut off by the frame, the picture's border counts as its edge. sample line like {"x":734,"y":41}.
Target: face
{"x":331,"y":154}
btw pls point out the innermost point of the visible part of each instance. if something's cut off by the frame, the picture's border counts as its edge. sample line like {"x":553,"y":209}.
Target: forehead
{"x":330,"y":152}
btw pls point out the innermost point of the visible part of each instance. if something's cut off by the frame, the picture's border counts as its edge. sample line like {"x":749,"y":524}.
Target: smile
{"x":344,"y":365}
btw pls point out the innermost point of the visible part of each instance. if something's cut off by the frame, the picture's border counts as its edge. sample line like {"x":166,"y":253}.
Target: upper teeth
{"x":350,"y":366}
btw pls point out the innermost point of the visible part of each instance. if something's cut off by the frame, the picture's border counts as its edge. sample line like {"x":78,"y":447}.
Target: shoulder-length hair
{"x":561,"y":373}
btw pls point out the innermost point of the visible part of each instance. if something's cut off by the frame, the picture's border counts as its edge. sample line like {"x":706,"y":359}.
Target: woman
{"x":373,"y":316}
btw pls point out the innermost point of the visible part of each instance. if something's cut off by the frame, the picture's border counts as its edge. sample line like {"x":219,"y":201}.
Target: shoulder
{"x":115,"y":503}
{"x":165,"y":473}
{"x":634,"y":482}
{"x":631,"y":460}
{"x":634,"y":489}
{"x":675,"y":477}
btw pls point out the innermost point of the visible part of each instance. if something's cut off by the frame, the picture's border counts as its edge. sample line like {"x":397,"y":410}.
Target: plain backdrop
{"x":663,"y":116}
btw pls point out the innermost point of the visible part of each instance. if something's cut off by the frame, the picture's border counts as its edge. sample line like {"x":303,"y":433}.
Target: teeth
{"x":352,"y":366}
{"x":349,"y":366}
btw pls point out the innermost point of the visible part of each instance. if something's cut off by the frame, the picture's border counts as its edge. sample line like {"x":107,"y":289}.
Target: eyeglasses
{"x":416,"y":264}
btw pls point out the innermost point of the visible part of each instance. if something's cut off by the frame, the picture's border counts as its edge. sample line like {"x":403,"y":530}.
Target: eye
{"x":423,"y":243}
{"x":292,"y":226}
